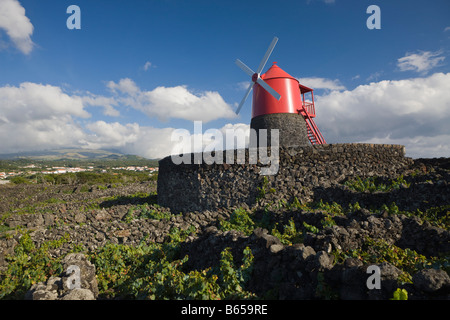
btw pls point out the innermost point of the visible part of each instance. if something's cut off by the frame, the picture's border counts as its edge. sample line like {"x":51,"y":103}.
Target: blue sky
{"x":137,"y":70}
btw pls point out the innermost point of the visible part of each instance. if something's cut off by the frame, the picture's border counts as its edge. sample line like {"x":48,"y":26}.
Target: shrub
{"x":289,"y":235}
{"x":378,"y":251}
{"x":373,"y":184}
{"x":400,"y":294}
{"x":148,"y":213}
{"x":232,"y":279}
{"x":240,"y":220}
{"x":19,"y":180}
{"x":29,"y":265}
{"x":153,"y":272}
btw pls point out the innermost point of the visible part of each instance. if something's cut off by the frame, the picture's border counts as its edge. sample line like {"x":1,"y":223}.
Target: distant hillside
{"x":70,"y":154}
{"x":73,"y":158}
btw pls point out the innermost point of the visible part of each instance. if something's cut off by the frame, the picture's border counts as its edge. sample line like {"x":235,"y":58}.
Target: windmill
{"x":279,"y":102}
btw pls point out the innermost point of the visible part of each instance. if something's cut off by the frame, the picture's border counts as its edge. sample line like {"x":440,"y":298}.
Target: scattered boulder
{"x":79,"y":294}
{"x":432,"y":281}
{"x":263,"y":237}
{"x":76,"y":282}
{"x":86,"y":271}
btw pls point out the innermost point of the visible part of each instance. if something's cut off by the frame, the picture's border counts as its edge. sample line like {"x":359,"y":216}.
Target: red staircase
{"x":308,"y":112}
{"x":314,"y":135}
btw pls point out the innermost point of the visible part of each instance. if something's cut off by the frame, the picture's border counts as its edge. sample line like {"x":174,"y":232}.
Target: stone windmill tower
{"x":279,"y":102}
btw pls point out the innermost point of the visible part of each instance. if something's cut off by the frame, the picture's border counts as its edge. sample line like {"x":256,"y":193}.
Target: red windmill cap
{"x":276,"y":72}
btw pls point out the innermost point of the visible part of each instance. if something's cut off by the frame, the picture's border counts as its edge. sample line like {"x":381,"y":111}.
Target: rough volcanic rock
{"x":76,"y":282}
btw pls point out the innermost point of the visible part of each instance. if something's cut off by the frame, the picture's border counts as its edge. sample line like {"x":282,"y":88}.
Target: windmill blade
{"x":245,"y":97}
{"x":244,"y":67}
{"x":268,"y":88}
{"x":267,"y":55}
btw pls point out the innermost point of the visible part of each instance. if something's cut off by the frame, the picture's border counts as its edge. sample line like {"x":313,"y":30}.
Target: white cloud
{"x":40,"y":134}
{"x":147,"y":65}
{"x":408,"y":111}
{"x":321,"y":83}
{"x":125,"y":85}
{"x":420,"y":146}
{"x":153,"y":142}
{"x":173,"y":102}
{"x":16,"y":24}
{"x":374,"y":76}
{"x":31,"y":101}
{"x":243,"y":85}
{"x":36,"y":117}
{"x":107,"y":103}
{"x":423,"y":61}
{"x":111,"y":135}
{"x":447,"y":29}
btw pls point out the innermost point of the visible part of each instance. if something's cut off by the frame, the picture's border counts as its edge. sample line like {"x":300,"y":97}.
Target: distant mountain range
{"x":70,"y":154}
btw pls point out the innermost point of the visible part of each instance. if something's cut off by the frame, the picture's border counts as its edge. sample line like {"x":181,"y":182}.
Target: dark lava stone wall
{"x":291,"y":126}
{"x":202,"y":186}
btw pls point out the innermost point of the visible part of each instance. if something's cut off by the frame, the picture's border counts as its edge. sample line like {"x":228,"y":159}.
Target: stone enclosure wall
{"x":201,"y":186}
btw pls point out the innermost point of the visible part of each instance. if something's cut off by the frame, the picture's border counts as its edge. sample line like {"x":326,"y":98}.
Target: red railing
{"x":308,"y":111}
{"x":309,"y":107}
{"x":313,"y":132}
